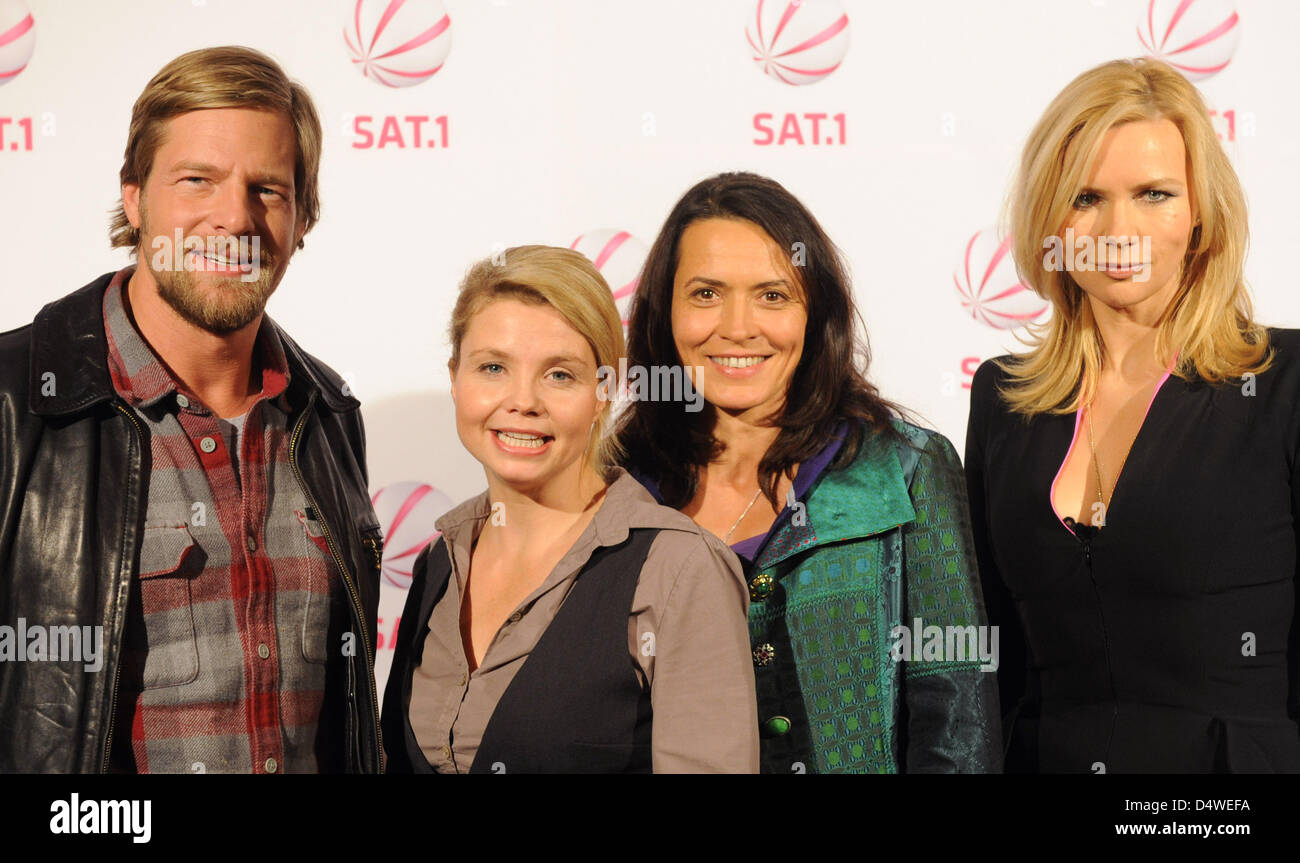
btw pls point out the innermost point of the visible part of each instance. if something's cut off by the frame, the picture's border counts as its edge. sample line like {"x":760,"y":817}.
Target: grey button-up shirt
{"x":686,"y":632}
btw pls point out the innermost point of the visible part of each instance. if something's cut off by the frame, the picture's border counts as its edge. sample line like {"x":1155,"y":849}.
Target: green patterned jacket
{"x":880,"y":543}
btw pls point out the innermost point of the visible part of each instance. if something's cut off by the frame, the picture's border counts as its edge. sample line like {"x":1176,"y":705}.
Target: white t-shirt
{"x":233,"y":431}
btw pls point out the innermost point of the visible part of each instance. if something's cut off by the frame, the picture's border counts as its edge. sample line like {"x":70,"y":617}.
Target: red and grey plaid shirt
{"x":236,"y":613}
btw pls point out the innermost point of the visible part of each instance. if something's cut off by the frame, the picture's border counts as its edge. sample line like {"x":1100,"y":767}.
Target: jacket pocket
{"x":169,"y":562}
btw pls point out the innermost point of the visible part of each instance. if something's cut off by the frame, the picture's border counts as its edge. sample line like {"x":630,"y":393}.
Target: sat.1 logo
{"x":989,"y":288}
{"x":17,"y":39}
{"x":618,"y":257}
{"x":991,"y":292}
{"x":1196,"y":37}
{"x":797,"y":43}
{"x":17,"y":43}
{"x":397,"y":44}
{"x":407,"y":512}
{"x":1199,"y":39}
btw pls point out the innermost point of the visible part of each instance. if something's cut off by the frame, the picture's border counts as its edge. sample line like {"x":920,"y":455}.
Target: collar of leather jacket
{"x":68,"y":342}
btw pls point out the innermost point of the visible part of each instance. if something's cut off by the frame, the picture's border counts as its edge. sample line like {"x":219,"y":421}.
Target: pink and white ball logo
{"x":1196,"y":37}
{"x":398,"y":43}
{"x":990,"y":290}
{"x":17,"y":38}
{"x":619,"y":257}
{"x":798,"y":41}
{"x":408,"y":512}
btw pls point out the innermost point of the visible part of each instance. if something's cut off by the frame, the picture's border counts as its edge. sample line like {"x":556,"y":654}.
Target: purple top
{"x":807,"y":475}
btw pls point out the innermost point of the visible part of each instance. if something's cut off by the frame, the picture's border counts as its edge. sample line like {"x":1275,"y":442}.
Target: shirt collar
{"x":143,"y":380}
{"x":627,"y":505}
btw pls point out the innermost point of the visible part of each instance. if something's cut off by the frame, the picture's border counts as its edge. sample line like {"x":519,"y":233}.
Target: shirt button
{"x":252,"y":544}
{"x":207,"y":444}
{"x":764,"y":654}
{"x":271,"y":766}
{"x":263,"y":651}
{"x":514,"y":618}
{"x":182,"y":401}
{"x":463,"y":678}
{"x":446,"y":751}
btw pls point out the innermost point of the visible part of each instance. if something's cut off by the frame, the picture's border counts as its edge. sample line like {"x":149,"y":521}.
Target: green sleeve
{"x":949,"y":718}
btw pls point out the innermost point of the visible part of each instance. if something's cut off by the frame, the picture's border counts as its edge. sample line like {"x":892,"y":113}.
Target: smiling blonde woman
{"x":1133,"y":476}
{"x":564,"y":621}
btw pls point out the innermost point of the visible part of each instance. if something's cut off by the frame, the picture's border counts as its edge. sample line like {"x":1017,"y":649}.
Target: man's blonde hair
{"x":228,"y":77}
{"x":1209,"y":320}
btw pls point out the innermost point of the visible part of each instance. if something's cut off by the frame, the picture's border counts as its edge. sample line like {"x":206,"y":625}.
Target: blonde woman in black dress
{"x":1133,"y":477}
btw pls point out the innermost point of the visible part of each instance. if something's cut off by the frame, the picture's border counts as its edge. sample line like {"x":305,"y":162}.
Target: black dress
{"x":1165,"y":641}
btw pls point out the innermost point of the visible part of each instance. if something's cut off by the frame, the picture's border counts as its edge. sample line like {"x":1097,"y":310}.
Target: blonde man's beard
{"x":225,"y":305}
{"x":220,"y":305}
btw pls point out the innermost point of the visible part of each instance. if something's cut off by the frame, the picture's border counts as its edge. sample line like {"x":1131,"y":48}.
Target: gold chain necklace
{"x":1097,"y":464}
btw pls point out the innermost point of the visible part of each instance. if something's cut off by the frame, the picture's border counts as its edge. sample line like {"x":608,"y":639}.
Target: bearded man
{"x":181,"y":485}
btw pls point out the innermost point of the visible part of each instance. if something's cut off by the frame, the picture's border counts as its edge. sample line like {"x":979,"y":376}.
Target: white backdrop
{"x":564,"y":118}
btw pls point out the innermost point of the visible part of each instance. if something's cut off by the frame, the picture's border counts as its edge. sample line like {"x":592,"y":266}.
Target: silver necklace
{"x":742,"y":516}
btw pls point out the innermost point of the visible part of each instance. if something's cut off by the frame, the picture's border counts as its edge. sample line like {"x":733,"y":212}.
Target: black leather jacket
{"x":73,"y":472}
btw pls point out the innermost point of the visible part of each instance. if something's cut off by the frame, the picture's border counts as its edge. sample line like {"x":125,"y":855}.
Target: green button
{"x":776,"y":726}
{"x":761,"y":587}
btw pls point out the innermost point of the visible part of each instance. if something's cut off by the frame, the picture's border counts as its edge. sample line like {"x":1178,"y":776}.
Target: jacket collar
{"x":69,"y":358}
{"x":867,"y":497}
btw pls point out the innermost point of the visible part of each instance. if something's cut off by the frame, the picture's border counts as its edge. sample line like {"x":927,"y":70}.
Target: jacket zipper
{"x":117,"y":668}
{"x":347,"y":577}
{"x":375,"y":552}
{"x":1085,"y":537}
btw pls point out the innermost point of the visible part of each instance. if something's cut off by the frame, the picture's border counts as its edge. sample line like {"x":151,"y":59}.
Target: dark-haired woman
{"x":851,"y":524}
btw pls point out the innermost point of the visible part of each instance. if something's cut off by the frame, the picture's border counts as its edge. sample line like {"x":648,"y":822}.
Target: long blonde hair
{"x":1209,"y":321}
